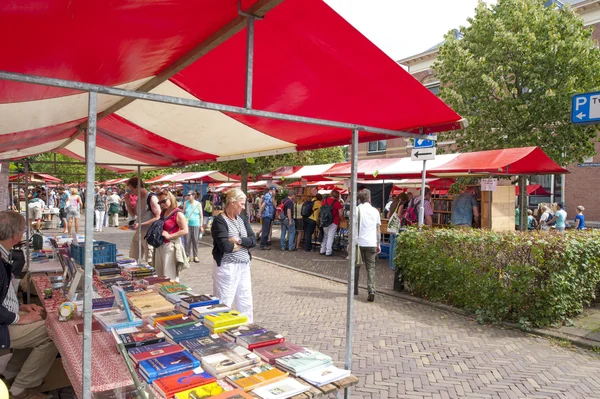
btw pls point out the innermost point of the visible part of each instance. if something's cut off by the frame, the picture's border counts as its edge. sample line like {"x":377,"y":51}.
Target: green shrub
{"x":533,"y":279}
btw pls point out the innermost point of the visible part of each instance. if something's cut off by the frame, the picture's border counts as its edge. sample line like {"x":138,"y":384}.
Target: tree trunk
{"x":523,"y":203}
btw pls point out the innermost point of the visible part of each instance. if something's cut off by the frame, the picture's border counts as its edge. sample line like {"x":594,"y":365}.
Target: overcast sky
{"x":402,"y":28}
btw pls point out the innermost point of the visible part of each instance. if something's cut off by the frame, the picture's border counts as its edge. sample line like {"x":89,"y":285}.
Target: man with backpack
{"x":329,"y":219}
{"x":267,"y":213}
{"x":310,"y":216}
{"x":287,"y":223}
{"x":414,"y":207}
{"x":150,"y":213}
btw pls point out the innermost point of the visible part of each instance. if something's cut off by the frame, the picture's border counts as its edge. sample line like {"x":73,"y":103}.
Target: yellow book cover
{"x":201,"y":392}
{"x":167,"y":316}
{"x":257,"y":380}
{"x":219,"y":330}
{"x":225,"y":319}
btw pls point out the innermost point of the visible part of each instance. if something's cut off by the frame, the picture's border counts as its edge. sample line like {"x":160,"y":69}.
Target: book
{"x":116,"y":318}
{"x":181,"y":322}
{"x":171,"y":315}
{"x":209,"y":345}
{"x":96,"y":327}
{"x":125,"y":303}
{"x":219,"y":330}
{"x":173,"y":288}
{"x":174,"y":363}
{"x":224,"y":319}
{"x":127,"y":392}
{"x":187,"y":332}
{"x":229,"y":362}
{"x":201,"y":392}
{"x":324,"y":375}
{"x":235,"y":394}
{"x":147,"y":352}
{"x":173,"y":384}
{"x":256,"y":377}
{"x":198,"y":300}
{"x":272,"y":352}
{"x":200,"y":311}
{"x":176,"y":297}
{"x":248,"y":329}
{"x":259,"y":340}
{"x":301,"y":362}
{"x":145,"y":335}
{"x":281,"y":389}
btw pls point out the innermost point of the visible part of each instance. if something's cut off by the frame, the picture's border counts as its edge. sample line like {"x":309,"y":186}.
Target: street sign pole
{"x":422,"y":208}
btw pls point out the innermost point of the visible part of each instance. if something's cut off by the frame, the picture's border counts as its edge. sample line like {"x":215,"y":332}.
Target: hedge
{"x":533,"y":279}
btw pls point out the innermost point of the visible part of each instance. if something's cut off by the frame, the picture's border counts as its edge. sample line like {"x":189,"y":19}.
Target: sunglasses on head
{"x":163,"y":201}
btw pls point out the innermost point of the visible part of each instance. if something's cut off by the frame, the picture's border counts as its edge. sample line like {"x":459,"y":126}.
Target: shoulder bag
{"x":394,"y":222}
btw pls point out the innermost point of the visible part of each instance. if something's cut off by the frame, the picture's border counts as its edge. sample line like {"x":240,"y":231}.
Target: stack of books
{"x":256,"y":377}
{"x":302,"y":362}
{"x":271,"y":353}
{"x":148,"y":282}
{"x":248,"y":329}
{"x":200,"y":311}
{"x":196,"y":301}
{"x":229,"y":362}
{"x":166,"y":365}
{"x":188,"y":332}
{"x":205,"y":346}
{"x":221,"y":322}
{"x":170,"y":386}
{"x":149,"y":303}
{"x":107,"y":269}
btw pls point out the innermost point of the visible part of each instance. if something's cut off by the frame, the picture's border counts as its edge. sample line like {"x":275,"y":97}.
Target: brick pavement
{"x":404,"y":349}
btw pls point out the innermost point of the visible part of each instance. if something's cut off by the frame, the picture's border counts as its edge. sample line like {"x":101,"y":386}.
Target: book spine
{"x":143,"y":343}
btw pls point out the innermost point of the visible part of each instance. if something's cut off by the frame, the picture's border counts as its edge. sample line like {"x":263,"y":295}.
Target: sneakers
{"x":29,"y":393}
{"x":196,"y":260}
{"x":293,"y":250}
{"x":371,"y":297}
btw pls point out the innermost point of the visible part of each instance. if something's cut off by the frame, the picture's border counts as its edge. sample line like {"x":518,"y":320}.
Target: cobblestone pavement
{"x":403,"y":349}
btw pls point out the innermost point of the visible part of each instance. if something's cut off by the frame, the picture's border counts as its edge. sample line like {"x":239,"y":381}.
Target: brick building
{"x":580,"y":184}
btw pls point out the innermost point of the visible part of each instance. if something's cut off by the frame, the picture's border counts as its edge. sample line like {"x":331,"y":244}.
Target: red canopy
{"x":367,"y":168}
{"x":33,"y":177}
{"x":305,"y":56}
{"x":533,"y":189}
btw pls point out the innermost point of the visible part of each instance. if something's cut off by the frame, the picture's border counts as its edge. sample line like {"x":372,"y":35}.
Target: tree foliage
{"x":512,"y":75}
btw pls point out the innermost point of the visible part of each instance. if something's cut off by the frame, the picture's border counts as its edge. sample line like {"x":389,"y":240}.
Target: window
{"x":377,"y":146}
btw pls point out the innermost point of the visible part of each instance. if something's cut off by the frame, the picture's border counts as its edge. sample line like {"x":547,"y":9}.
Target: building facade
{"x":584,"y":178}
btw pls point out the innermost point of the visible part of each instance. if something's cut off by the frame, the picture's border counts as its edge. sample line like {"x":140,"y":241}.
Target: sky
{"x":402,"y":28}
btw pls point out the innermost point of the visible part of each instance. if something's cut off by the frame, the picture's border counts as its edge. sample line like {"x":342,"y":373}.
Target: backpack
{"x":149,"y":199}
{"x":326,"y":213}
{"x":550,"y":217}
{"x":307,"y":209}
{"x":282,"y":212}
{"x":154,"y":235}
{"x":410,"y":215}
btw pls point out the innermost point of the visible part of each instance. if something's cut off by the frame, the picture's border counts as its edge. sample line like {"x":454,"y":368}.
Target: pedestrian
{"x":74,"y":205}
{"x":52,"y":199}
{"x":329,"y":218}
{"x":100,"y":208}
{"x":545,"y":219}
{"x":150,"y":212}
{"x":531,"y":222}
{"x":62,"y":211}
{"x":368,"y":240}
{"x":465,"y":209}
{"x":580,"y":219}
{"x":232,"y":239}
{"x":560,"y":218}
{"x":288,"y":226}
{"x":310,"y":222}
{"x":267,"y":213}
{"x":114,"y":206}
{"x":207,"y":209}
{"x":396,"y":207}
{"x":298,"y":220}
{"x":35,"y":207}
{"x":428,"y":215}
{"x":169,"y":258}
{"x":194,"y":216}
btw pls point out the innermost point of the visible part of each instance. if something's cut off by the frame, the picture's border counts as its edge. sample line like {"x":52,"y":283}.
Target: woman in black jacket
{"x":232,"y":237}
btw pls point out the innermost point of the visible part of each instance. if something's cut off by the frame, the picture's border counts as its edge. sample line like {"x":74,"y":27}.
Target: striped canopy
{"x":308,"y":61}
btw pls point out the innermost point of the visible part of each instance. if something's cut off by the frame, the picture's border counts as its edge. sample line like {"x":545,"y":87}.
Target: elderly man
{"x":22,"y":327}
{"x":464,"y":209}
{"x":150,"y":213}
{"x":368,"y":239}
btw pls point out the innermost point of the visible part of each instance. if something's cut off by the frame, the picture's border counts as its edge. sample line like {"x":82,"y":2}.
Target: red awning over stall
{"x":533,"y":189}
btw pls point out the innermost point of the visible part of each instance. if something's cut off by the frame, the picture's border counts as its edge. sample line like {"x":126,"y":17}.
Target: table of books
{"x":108,"y":369}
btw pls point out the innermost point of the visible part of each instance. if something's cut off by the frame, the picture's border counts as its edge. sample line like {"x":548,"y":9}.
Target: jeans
{"x":309,"y":228}
{"x":328,"y":236}
{"x":369,"y":255}
{"x":392,"y":251}
{"x":266,"y":228}
{"x":190,"y":242}
{"x":285,"y":227}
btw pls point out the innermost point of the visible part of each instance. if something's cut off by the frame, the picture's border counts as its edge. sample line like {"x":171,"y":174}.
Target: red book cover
{"x":270,"y":353}
{"x":266,"y":343}
{"x":169,"y":386}
{"x":152,"y":351}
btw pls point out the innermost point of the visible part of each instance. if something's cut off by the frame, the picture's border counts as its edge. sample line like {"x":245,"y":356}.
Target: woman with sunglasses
{"x":169,"y":257}
{"x":232,"y":238}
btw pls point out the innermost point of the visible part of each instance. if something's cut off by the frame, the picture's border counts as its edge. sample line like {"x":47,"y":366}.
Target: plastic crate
{"x":104,"y":252}
{"x":385,"y":251}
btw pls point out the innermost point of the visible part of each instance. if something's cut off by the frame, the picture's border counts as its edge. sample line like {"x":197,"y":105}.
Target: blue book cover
{"x":126,"y":305}
{"x":167,"y":365}
{"x":198,"y":300}
{"x":149,"y":348}
{"x":188,"y":332}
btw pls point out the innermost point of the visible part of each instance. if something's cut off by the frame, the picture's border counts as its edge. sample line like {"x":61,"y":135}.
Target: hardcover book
{"x":198,"y":300}
{"x":200,"y":311}
{"x":167,"y":365}
{"x":187,"y":332}
{"x":224,"y":319}
{"x":181,"y":322}
{"x":229,"y":362}
{"x":176,"y":297}
{"x":259,"y":340}
{"x":201,"y":392}
{"x":282,"y":389}
{"x":171,"y":315}
{"x":145,"y":335}
{"x":173,"y":384}
{"x":301,"y":362}
{"x":96,"y":327}
{"x":152,"y":351}
{"x":173,"y":288}
{"x":209,"y":345}
{"x":324,"y":375}
{"x":272,"y":352}
{"x":256,"y":377}
{"x":248,"y":329}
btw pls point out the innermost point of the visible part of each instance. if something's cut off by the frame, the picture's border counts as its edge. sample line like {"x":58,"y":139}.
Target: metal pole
{"x":562,"y":189}
{"x":523,"y":203}
{"x":422,"y":207}
{"x":249,"y":60}
{"x":139,"y":213}
{"x":89,"y":244}
{"x":352,"y":258}
{"x":552,"y":189}
{"x":28,"y":231}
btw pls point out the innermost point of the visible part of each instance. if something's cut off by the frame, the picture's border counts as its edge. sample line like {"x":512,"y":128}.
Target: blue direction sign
{"x":421,"y":143}
{"x":585,"y":108}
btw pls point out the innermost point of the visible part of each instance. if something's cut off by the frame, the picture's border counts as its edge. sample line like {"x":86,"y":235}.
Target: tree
{"x":512,"y":75}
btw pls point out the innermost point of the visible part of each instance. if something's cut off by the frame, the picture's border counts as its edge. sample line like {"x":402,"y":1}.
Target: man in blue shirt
{"x":267,"y":213}
{"x":464,"y":208}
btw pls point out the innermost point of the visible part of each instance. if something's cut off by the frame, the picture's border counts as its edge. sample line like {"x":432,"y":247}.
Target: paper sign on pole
{"x":4,"y":186}
{"x":489,"y":184}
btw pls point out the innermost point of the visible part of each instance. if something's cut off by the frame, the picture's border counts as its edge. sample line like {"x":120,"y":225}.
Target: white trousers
{"x":99,"y":219}
{"x":328,"y":236}
{"x":232,"y":284}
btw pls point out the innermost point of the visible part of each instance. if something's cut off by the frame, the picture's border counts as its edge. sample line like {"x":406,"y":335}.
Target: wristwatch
{"x":239,"y":241}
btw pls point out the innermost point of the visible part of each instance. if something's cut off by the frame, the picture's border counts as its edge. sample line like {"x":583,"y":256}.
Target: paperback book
{"x":209,"y":345}
{"x":301,"y":362}
{"x":116,"y":319}
{"x":235,"y":394}
{"x":198,"y":300}
{"x":256,"y":377}
{"x":167,"y":365}
{"x":324,"y":375}
{"x":145,"y":335}
{"x":176,"y":297}
{"x":229,"y":362}
{"x":174,"y":323}
{"x":147,"y":352}
{"x":200,"y":311}
{"x":242,"y":331}
{"x":201,"y":392}
{"x":260,"y":340}
{"x":173,"y":384}
{"x":219,"y":320}
{"x":281,"y":389}
{"x":187,"y":332}
{"x":273,"y":352}
{"x":171,"y":315}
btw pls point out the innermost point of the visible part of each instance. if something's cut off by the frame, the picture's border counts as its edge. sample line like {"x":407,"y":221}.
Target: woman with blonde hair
{"x":580,"y":219}
{"x":74,"y":206}
{"x":232,"y":238}
{"x":169,"y":258}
